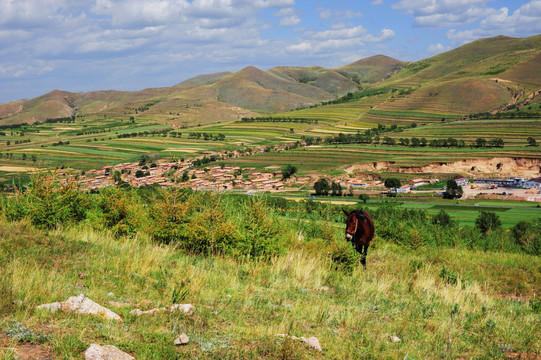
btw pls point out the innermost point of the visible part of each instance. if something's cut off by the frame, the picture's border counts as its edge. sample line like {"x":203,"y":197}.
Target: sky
{"x":86,"y":45}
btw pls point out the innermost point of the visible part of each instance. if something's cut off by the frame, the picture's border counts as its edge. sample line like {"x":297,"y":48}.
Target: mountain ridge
{"x":492,"y":70}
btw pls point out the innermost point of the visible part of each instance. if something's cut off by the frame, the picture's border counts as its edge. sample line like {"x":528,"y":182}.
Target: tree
{"x":404,"y":141}
{"x":527,"y":235}
{"x":139,"y":173}
{"x":392,"y":183}
{"x":531,"y":141}
{"x":443,"y":219}
{"x":287,"y":171}
{"x":185,"y":176}
{"x":364,"y":198}
{"x":117,"y":176}
{"x":487,"y":221}
{"x":453,"y":191}
{"x":336,"y":189}
{"x":480,"y":142}
{"x":322,"y":187}
{"x":415,"y":142}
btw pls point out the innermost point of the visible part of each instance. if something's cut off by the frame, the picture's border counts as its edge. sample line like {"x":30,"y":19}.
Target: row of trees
{"x":206,"y":136}
{"x":279,"y":119}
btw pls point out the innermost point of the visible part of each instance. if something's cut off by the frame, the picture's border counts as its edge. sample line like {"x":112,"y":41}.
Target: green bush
{"x":527,"y":234}
{"x":121,"y":211}
{"x":344,"y":256}
{"x":48,"y":202}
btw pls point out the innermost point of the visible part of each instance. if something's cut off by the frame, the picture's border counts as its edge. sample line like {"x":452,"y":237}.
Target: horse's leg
{"x":363,"y":255}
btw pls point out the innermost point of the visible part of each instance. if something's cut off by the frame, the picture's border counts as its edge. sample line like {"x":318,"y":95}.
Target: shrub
{"x":528,"y":235}
{"x":121,"y":211}
{"x":488,"y":221}
{"x":344,"y":256}
{"x":443,"y":219}
{"x":449,"y":276}
{"x":48,"y":202}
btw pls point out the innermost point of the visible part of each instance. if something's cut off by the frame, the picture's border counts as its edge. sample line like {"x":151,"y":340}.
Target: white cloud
{"x":289,"y":17}
{"x":302,"y":47}
{"x":438,"y":48}
{"x":338,"y":14}
{"x":444,"y":13}
{"x":340,"y":39}
{"x":524,"y":20}
{"x":377,"y":2}
{"x":20,"y":70}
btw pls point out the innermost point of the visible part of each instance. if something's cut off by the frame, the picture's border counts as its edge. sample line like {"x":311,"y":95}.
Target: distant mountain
{"x":485,"y":75}
{"x":226,"y":95}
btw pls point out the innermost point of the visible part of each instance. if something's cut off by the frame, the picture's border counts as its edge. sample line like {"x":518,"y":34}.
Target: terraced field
{"x":514,"y":132}
{"x":325,"y":158}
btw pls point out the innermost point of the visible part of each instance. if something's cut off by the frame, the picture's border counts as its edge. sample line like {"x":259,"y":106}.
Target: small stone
{"x":188,"y":309}
{"x":395,"y":339}
{"x":120,"y":303}
{"x":183,"y":339}
{"x":110,"y":294}
{"x":324,"y":288}
{"x":53,"y":307}
{"x":107,"y":352}
{"x":79,"y":284}
{"x":80,"y":274}
{"x":313,"y":342}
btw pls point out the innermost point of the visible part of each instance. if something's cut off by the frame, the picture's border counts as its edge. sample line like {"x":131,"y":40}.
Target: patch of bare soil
{"x":498,"y":166}
{"x":525,"y":356}
{"x":32,"y":352}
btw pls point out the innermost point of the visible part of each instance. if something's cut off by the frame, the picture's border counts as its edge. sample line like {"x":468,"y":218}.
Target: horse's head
{"x":353,"y":220}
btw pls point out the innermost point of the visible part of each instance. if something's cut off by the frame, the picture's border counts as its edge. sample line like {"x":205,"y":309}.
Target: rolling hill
{"x":247,"y":92}
{"x":484,"y":75}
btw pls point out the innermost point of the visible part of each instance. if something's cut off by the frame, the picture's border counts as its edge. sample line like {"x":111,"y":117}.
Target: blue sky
{"x":83,"y":45}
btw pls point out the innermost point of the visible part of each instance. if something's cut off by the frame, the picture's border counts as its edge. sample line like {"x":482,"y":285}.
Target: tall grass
{"x":258,"y":267}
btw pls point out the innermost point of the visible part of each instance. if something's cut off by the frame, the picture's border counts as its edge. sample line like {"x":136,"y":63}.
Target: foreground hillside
{"x":431,"y":290}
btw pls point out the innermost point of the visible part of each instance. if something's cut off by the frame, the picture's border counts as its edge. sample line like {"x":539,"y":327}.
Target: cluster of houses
{"x":227,"y":177}
{"x":174,"y":174}
{"x":220,"y":177}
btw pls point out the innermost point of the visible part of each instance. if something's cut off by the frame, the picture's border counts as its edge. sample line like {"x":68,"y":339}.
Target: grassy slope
{"x":241,"y":306}
{"x":452,"y":79}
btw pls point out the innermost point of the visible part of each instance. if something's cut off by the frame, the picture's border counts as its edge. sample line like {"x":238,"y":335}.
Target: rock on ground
{"x":107,"y":352}
{"x":188,"y":309}
{"x":183,"y":339}
{"x":82,"y":305}
{"x":313,"y":341}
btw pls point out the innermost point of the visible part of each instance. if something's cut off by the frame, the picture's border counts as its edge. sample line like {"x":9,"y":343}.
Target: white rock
{"x":107,"y":352}
{"x":324,"y":288}
{"x":188,"y":309}
{"x":82,"y":305}
{"x":53,"y":307}
{"x":395,"y":339}
{"x":183,"y":339}
{"x":312,"y":342}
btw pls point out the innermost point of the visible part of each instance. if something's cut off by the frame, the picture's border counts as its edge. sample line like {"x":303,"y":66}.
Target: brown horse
{"x":360,"y":231}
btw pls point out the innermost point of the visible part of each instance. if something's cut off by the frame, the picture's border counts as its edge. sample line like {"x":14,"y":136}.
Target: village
{"x":270,"y":179}
{"x":217,"y":177}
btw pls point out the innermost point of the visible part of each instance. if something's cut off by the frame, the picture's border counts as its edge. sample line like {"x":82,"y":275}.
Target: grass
{"x":242,"y":305}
